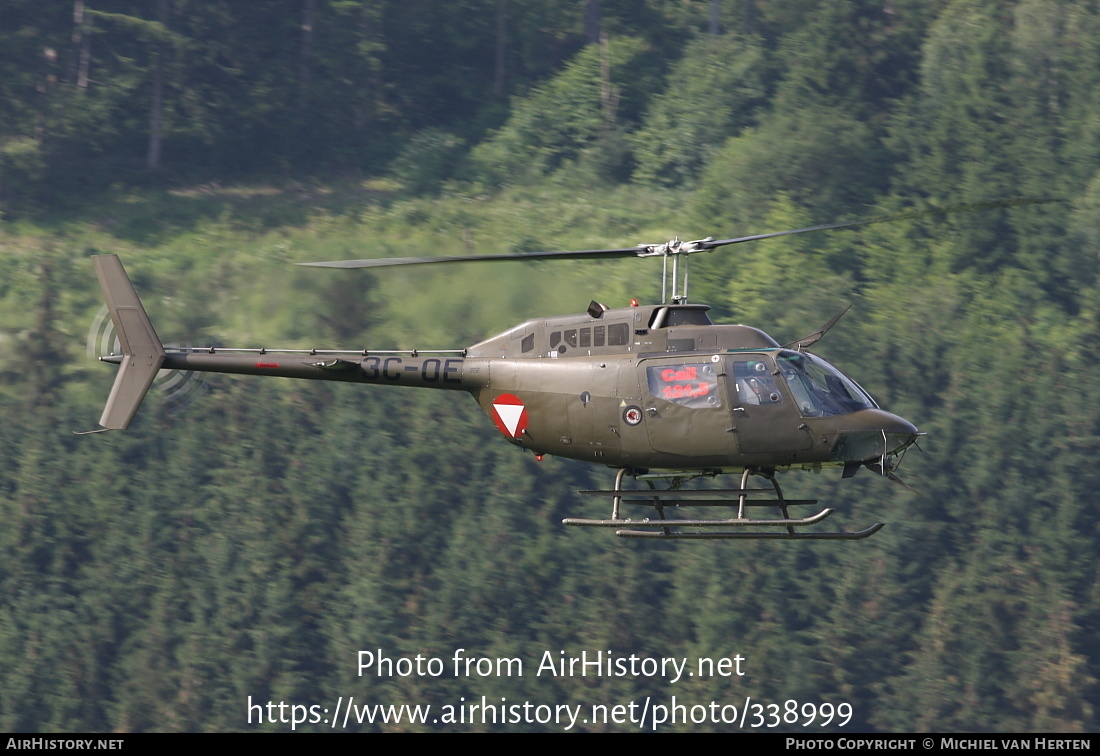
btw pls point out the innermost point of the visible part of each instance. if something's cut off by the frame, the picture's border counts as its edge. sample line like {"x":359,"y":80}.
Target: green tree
{"x":559,"y":121}
{"x":712,"y":93}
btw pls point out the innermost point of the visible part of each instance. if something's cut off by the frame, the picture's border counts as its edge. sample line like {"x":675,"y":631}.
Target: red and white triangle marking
{"x":509,"y":415}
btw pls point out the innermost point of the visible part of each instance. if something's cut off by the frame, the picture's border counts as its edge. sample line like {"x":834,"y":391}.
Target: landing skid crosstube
{"x":784,"y":527}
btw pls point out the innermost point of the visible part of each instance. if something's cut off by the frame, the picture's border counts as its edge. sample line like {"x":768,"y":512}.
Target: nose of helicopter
{"x":871,"y":433}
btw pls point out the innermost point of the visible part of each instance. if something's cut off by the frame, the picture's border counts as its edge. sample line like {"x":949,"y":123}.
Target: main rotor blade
{"x":671,"y":248}
{"x":564,"y":255}
{"x":950,"y":210}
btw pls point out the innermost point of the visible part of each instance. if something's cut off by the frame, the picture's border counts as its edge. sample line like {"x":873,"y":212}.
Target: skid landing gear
{"x":785,"y":527}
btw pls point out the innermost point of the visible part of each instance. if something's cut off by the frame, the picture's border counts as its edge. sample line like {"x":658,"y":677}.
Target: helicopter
{"x":658,"y":392}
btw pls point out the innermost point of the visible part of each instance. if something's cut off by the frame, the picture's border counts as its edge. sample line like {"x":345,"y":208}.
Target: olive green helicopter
{"x":659,"y":392}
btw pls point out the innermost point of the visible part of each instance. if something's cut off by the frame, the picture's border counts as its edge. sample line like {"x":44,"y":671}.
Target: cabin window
{"x":618,"y":334}
{"x":694,"y":385}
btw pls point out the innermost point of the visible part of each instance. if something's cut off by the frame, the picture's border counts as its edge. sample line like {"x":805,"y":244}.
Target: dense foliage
{"x":251,"y":542}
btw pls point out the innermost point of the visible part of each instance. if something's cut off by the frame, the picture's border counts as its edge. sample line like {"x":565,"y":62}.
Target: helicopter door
{"x":765,"y":420}
{"x":684,"y":407}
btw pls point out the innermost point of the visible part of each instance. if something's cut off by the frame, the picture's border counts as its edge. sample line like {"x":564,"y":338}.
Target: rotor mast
{"x":674,"y":249}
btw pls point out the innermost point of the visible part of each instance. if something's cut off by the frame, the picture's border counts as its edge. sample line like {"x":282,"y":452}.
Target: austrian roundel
{"x":509,"y":415}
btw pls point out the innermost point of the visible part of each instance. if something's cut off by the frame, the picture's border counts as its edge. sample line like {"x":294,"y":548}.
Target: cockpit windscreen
{"x":819,"y":388}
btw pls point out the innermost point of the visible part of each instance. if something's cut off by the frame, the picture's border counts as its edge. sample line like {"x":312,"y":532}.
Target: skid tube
{"x":786,"y":527}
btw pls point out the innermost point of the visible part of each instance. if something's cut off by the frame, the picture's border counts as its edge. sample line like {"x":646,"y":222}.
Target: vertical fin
{"x":143,"y":354}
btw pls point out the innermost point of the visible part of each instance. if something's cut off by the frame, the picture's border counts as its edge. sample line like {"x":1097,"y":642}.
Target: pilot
{"x":749,"y":391}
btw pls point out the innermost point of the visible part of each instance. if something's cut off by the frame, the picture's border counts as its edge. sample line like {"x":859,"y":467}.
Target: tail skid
{"x":142,"y":352}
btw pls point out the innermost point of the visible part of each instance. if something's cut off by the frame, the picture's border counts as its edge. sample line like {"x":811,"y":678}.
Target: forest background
{"x":249,"y":542}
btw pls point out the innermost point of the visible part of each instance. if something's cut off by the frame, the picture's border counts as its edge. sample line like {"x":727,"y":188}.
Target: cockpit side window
{"x":755,"y":383}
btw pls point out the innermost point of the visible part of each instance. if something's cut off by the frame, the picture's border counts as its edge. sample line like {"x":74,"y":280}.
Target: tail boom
{"x":143,"y":355}
{"x":448,"y":370}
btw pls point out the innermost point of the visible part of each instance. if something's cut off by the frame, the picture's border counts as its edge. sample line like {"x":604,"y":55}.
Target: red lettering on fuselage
{"x":687,"y":374}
